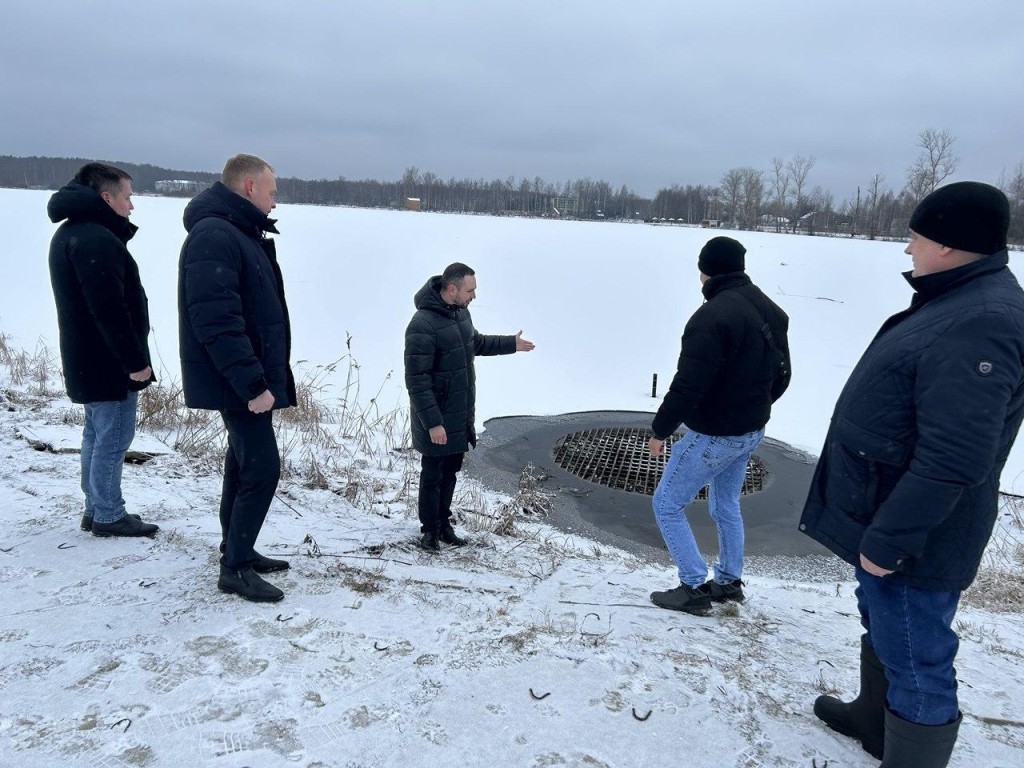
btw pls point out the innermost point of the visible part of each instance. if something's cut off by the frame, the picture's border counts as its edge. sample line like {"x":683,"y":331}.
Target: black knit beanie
{"x":968,"y":216}
{"x":720,"y":256}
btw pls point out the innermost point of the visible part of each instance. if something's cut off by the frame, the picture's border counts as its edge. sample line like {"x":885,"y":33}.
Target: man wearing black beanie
{"x":733,"y":365}
{"x":906,"y":489}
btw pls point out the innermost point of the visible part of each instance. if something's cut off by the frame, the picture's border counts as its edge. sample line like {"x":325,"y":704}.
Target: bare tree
{"x":780,"y":185}
{"x":799,"y":168}
{"x":874,"y":193}
{"x":934,"y":164}
{"x":732,"y":192}
{"x":753,"y":197}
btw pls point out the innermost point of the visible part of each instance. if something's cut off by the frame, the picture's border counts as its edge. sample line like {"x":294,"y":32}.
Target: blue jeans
{"x":108,"y":433}
{"x":911,"y":632}
{"x":721,"y":464}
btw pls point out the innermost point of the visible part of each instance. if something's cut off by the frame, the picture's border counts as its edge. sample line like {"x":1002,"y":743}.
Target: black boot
{"x":263,"y":564}
{"x":683,"y":598}
{"x":910,"y":745}
{"x":429,"y":542}
{"x":87,"y":520}
{"x":246,"y":583}
{"x":449,"y":536}
{"x":864,"y":717}
{"x":129,"y":525}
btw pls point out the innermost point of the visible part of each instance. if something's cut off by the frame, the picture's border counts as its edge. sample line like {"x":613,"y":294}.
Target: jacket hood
{"x":715,"y":285}
{"x":80,"y":202}
{"x":221,"y":203}
{"x":429,"y":297}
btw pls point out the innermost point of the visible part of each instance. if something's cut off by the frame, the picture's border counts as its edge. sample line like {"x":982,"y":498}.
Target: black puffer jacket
{"x":102,"y":311}
{"x":723,"y":379}
{"x":909,"y":474}
{"x":440,"y":344}
{"x":234,"y":332}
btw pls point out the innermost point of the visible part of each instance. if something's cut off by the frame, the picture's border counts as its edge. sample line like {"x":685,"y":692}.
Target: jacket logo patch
{"x":984,"y":367}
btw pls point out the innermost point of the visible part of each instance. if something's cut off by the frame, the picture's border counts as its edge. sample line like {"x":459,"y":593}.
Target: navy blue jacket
{"x":102,"y":310}
{"x":234,"y":335}
{"x":909,"y":474}
{"x":440,"y":345}
{"x":724,"y":376}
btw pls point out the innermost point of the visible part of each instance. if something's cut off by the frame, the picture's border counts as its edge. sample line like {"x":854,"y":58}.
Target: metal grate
{"x":618,"y":458}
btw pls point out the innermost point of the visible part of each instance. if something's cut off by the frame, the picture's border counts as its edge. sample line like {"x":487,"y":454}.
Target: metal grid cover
{"x":618,"y":458}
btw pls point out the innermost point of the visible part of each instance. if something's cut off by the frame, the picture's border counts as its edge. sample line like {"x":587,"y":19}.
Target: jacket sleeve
{"x":701,"y":355}
{"x":99,"y":265}
{"x":212,"y":266}
{"x":492,"y":345}
{"x":420,"y":351}
{"x":963,"y":385}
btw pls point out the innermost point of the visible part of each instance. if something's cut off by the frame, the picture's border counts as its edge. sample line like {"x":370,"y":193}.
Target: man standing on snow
{"x":906,"y":489}
{"x":235,"y":342}
{"x":440,"y":345}
{"x":103,"y":317}
{"x":733,"y":365}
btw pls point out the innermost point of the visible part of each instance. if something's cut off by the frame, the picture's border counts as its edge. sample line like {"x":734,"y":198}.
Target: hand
{"x":522,"y":345}
{"x":144,"y":375}
{"x":871,"y":568}
{"x":656,"y":447}
{"x":263,"y":403}
{"x":438,"y":436}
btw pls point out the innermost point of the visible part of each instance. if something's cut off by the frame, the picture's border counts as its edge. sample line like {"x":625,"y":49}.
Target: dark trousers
{"x":910,"y":630}
{"x":437,"y":486}
{"x":252,"y":467}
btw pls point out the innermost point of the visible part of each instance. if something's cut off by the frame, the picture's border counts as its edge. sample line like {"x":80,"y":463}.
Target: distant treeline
{"x":780,"y":199}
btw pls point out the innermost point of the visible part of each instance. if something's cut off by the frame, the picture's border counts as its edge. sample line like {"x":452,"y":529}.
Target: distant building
{"x":412,"y":204}
{"x":181,"y":186}
{"x":565,"y":206}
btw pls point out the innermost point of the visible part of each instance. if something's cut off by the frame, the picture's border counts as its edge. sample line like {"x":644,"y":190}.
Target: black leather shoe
{"x":683,"y":598}
{"x":429,"y":542}
{"x":720,"y":593}
{"x":87,"y":521}
{"x":247,"y":584}
{"x":268,"y":564}
{"x":449,"y":536}
{"x":129,"y":525}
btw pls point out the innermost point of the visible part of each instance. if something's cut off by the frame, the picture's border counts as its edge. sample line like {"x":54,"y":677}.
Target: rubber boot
{"x":911,"y":745}
{"x":864,"y":717}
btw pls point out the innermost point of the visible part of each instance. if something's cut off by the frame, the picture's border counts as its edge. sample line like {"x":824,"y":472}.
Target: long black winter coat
{"x":234,"y":332}
{"x":724,"y":376}
{"x":102,"y":310}
{"x":909,"y":474}
{"x":440,"y":344}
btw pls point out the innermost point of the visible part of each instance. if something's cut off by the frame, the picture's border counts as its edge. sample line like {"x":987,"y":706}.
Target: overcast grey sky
{"x":640,"y":93}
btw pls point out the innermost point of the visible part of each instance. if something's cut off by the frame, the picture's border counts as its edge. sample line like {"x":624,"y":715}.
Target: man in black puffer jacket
{"x":440,"y":344}
{"x":235,"y":343}
{"x":907,"y":485}
{"x":734,"y":349}
{"x":103,"y":317}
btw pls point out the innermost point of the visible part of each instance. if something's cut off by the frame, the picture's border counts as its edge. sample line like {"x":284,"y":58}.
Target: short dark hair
{"x":101,"y":177}
{"x":454,"y":274}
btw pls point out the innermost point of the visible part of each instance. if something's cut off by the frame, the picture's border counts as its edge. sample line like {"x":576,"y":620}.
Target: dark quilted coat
{"x":440,"y":344}
{"x":234,"y":332}
{"x":723,"y":379}
{"x":102,"y":310}
{"x":909,"y":474}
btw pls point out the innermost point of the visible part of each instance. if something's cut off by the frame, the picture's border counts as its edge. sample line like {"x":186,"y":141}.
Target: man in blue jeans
{"x":103,"y":317}
{"x":733,"y":365}
{"x":906,"y":489}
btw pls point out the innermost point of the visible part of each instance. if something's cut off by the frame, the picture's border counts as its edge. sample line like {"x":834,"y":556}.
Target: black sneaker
{"x":449,"y":536}
{"x":264,"y":564}
{"x":720,"y":593}
{"x":429,"y":541}
{"x":129,"y":525}
{"x":87,"y":521}
{"x":683,"y":598}
{"x":247,"y":584}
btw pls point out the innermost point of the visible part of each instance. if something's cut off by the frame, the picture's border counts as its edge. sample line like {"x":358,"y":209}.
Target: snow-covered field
{"x":530,"y":649}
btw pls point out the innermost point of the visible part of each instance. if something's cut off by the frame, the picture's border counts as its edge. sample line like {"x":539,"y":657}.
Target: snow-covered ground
{"x":528,"y":649}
